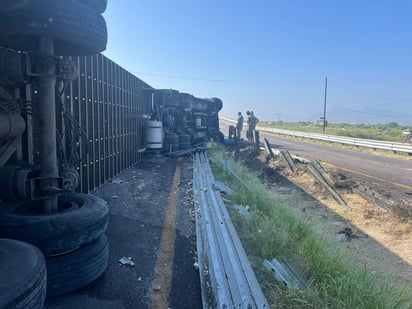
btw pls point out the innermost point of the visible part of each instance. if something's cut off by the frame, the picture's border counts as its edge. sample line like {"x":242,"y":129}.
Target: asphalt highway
{"x":150,"y":222}
{"x":394,"y":171}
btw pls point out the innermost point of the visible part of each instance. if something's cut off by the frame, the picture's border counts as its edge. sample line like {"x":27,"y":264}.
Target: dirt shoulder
{"x":379,"y":236}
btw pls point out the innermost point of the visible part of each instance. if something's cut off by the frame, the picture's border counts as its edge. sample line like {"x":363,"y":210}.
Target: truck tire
{"x":76,"y":28}
{"x":7,"y":5}
{"x":218,"y":104}
{"x":170,"y":147}
{"x":99,"y":6}
{"x":171,"y":139}
{"x":23,"y":275}
{"x":184,"y":138}
{"x":183,"y":146}
{"x":81,"y":219}
{"x":71,"y":271}
{"x":217,"y":136}
{"x":184,"y":141}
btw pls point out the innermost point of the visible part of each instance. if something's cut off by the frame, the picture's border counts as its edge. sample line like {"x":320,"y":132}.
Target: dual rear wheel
{"x":72,"y":240}
{"x":71,"y":243}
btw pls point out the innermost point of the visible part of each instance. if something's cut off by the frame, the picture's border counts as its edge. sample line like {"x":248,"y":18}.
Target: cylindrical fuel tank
{"x":154,"y":134}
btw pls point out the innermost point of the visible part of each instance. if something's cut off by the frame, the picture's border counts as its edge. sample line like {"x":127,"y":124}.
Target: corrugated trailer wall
{"x":107,"y":107}
{"x":109,"y":104}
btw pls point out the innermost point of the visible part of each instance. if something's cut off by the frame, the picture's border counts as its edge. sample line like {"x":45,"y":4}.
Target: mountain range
{"x":366,"y":115}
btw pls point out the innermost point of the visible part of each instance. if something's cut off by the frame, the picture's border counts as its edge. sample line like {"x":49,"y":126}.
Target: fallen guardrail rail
{"x":321,"y":176}
{"x":227,"y":168}
{"x":360,"y":142}
{"x":314,"y":167}
{"x":226,"y":277}
{"x":288,"y":158}
{"x":285,"y":274}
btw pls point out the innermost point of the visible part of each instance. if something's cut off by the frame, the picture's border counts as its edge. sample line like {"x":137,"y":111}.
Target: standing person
{"x":256,"y":119}
{"x":250,"y":127}
{"x":255,"y":134}
{"x":252,"y":122}
{"x":408,"y":137}
{"x":239,"y":125}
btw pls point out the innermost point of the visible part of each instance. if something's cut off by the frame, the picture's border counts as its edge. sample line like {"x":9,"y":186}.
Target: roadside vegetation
{"x":387,"y":132}
{"x":276,"y":230}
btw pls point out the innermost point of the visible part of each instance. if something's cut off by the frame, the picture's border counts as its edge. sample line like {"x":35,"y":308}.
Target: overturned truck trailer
{"x":179,"y":120}
{"x":89,"y":122}
{"x":71,"y":120}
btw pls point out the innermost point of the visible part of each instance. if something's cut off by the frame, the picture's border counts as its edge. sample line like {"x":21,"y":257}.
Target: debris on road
{"x":196,"y":265}
{"x":126,"y":261}
{"x":117,"y":181}
{"x":219,"y":186}
{"x":288,"y":158}
{"x":157,"y":287}
{"x":243,"y":210}
{"x":348,"y":234}
{"x":285,"y":274}
{"x":268,"y":148}
{"x":323,"y":179}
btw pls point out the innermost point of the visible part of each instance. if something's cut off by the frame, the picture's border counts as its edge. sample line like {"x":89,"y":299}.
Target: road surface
{"x":393,"y":171}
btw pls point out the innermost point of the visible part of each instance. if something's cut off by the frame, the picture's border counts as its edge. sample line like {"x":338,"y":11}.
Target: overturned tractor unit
{"x":180,"y":121}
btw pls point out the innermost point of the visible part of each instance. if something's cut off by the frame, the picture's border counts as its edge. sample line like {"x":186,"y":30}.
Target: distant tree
{"x":393,"y":125}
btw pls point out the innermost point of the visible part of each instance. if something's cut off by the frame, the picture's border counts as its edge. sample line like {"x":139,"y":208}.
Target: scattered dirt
{"x":377,"y":217}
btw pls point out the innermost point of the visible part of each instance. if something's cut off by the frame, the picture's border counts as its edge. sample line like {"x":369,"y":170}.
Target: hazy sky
{"x":272,"y":56}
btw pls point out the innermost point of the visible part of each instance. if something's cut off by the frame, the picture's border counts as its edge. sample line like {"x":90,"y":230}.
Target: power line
{"x":194,"y":78}
{"x":229,"y":80}
{"x":371,"y":95}
{"x":372,"y":113}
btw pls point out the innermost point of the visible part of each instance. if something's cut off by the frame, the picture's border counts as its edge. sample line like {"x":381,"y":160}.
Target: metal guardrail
{"x":361,"y":142}
{"x":226,"y":276}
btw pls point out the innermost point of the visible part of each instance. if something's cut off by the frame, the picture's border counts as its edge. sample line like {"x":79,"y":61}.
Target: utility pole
{"x":324,"y":104}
